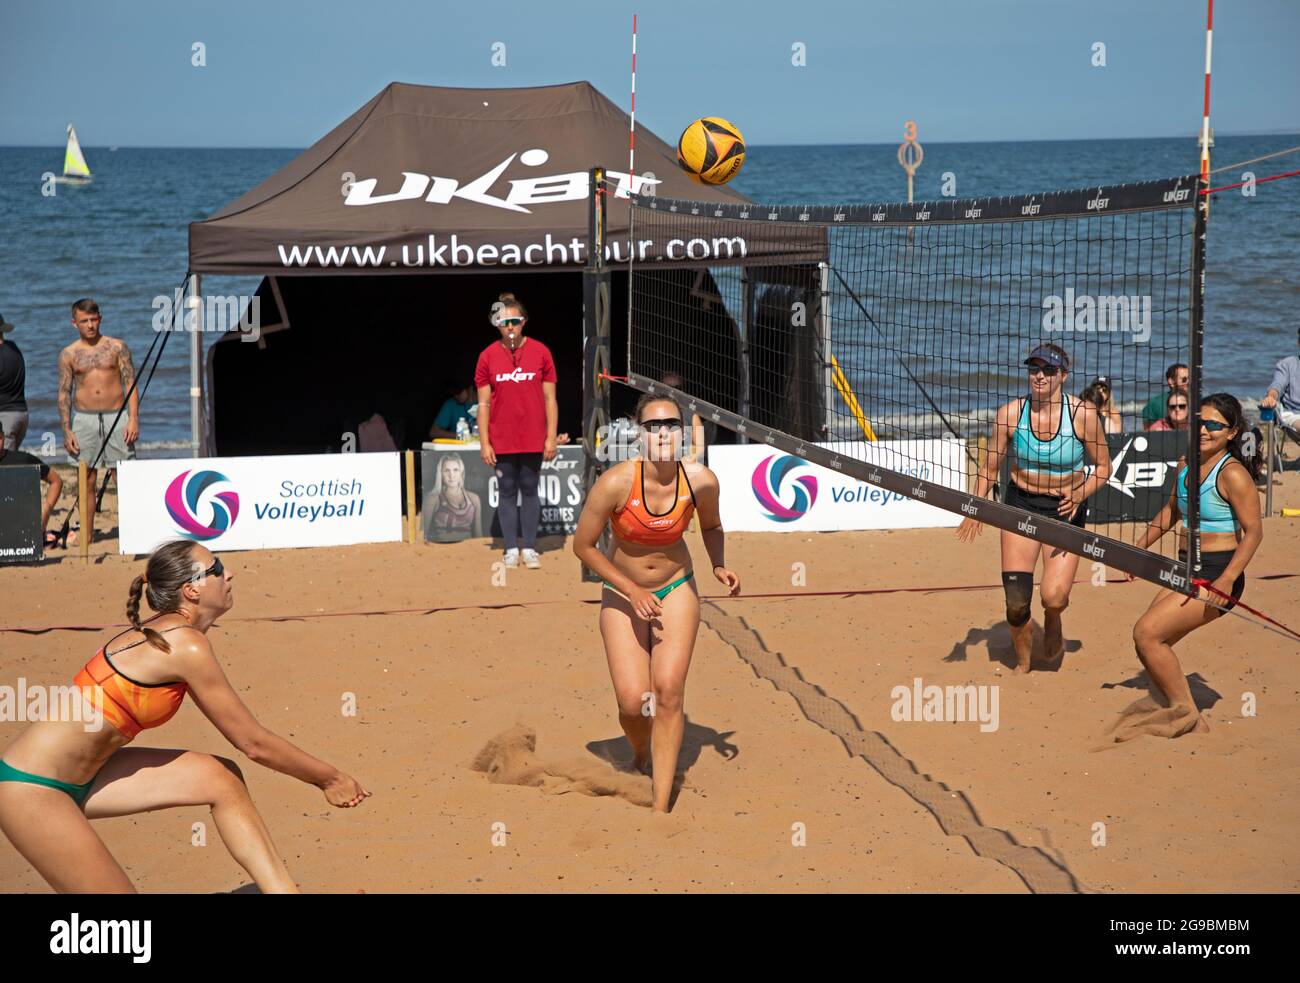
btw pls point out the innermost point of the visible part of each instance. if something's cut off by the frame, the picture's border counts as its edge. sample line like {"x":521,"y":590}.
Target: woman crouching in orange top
{"x":59,"y":774}
{"x":650,"y":611}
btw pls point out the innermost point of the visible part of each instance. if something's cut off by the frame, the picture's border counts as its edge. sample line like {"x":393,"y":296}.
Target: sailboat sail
{"x":74,"y":164}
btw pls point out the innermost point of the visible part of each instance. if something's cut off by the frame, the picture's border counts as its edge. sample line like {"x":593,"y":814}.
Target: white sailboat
{"x":75,"y":169}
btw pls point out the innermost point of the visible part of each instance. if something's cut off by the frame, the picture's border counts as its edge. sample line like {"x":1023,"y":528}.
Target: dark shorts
{"x":1044,"y":505}
{"x":1212,"y":567}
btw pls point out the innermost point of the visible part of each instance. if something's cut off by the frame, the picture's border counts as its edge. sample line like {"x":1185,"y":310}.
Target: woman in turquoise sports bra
{"x":61,"y":773}
{"x":1231,"y":531}
{"x":1059,"y":458}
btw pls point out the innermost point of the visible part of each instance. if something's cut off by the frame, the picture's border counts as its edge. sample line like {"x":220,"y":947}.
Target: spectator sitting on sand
{"x":1110,"y":417}
{"x":1177,"y":412}
{"x":1094,"y":395}
{"x":1176,"y":377}
{"x":48,"y":475}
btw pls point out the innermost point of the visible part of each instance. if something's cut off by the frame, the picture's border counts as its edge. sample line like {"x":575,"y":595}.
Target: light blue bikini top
{"x":1215,"y":513}
{"x":1063,"y":454}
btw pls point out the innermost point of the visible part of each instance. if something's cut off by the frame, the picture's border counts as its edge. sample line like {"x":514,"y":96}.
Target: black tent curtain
{"x":400,"y":346}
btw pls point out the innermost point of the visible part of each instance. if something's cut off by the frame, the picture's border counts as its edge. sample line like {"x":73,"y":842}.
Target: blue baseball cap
{"x":1044,"y":353}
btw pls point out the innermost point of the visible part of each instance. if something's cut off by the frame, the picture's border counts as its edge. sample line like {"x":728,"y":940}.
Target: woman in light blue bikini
{"x":1048,"y":478}
{"x":1231,"y":531}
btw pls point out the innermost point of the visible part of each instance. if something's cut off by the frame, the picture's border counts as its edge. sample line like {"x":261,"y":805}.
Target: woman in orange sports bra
{"x":650,"y":610}
{"x":60,"y":774}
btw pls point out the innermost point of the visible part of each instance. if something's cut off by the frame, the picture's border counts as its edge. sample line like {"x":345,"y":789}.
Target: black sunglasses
{"x":1214,"y":426}
{"x":216,"y":570}
{"x":1047,"y":370}
{"x":667,"y":423}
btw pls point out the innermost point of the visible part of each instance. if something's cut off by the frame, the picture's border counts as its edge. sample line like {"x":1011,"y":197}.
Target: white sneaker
{"x":512,"y":558}
{"x":531,"y":560}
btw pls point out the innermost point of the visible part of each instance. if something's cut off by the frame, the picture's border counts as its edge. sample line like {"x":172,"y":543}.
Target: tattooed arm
{"x":127,"y":369}
{"x":65,"y":402}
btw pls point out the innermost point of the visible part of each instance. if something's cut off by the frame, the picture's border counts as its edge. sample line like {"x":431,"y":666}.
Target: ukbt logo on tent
{"x":767,"y":482}
{"x":189,"y":497}
{"x":523,"y":191}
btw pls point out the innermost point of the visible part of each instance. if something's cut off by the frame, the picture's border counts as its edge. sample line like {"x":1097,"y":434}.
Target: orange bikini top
{"x":129,"y":706}
{"x":634,"y":523}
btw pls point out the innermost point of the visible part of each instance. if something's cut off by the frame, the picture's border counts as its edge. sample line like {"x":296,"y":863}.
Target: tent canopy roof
{"x":493,"y":167}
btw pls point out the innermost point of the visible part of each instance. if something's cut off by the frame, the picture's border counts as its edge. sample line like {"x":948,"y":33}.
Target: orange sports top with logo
{"x":634,"y":523}
{"x":126,"y":704}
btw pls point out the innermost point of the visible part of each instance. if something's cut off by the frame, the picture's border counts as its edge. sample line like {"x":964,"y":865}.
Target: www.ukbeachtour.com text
{"x":452,"y":251}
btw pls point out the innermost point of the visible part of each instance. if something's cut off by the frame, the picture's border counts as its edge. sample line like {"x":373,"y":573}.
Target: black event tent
{"x":384,"y":244}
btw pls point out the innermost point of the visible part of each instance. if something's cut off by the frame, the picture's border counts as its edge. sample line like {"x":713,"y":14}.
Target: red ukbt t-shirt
{"x":517,"y":413}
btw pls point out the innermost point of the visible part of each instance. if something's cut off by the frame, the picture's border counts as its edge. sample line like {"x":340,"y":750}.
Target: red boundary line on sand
{"x":28,"y":630}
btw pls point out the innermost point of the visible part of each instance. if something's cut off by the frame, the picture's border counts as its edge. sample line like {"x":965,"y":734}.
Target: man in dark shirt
{"x":51,"y":477}
{"x":13,"y":385}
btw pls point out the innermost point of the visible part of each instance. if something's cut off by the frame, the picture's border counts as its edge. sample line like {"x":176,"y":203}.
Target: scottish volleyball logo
{"x":200,"y":513}
{"x":767,"y":482}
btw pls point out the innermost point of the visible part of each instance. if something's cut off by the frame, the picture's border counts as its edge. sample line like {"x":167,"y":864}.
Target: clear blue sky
{"x":280,"y":73}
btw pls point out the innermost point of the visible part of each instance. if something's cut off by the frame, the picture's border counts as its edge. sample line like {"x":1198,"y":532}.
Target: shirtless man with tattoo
{"x":102,"y":371}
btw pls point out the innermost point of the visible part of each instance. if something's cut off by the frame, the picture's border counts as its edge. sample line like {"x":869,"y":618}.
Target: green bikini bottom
{"x":661,"y":593}
{"x":8,"y":773}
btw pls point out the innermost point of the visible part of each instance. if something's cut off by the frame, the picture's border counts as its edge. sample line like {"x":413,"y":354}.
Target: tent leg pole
{"x":746,"y":329}
{"x":196,"y":360}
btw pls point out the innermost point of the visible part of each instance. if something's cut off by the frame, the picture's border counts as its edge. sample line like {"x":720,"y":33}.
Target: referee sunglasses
{"x":669,"y":423}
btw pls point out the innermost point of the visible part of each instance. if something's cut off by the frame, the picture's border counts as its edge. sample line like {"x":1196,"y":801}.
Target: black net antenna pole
{"x":595,"y":347}
{"x":1195,"y":345}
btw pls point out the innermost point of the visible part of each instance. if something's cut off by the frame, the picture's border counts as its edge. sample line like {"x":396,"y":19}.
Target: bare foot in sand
{"x":1053,"y":641}
{"x":1201,"y":726}
{"x":1022,"y":643}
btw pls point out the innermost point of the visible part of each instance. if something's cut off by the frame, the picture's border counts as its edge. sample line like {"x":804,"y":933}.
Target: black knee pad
{"x":1019,"y":588}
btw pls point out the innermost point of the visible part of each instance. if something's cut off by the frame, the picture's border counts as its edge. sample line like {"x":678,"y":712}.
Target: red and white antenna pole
{"x":631,"y":137}
{"x":1205,"y":118}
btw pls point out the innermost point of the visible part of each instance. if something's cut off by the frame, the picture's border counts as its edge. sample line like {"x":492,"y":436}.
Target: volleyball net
{"x":884,"y":344}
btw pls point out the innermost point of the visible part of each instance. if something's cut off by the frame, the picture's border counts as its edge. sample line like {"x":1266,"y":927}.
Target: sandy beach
{"x":790,"y":737}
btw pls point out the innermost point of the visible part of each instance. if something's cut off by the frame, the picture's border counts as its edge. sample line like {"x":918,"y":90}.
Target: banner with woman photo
{"x":461,"y":495}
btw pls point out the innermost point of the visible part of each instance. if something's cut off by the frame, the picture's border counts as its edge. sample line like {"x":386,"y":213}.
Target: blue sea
{"x":123,"y":239}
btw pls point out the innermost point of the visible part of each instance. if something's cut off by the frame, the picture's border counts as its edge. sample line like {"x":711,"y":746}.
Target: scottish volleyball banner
{"x":248,"y":503}
{"x":768,"y":490}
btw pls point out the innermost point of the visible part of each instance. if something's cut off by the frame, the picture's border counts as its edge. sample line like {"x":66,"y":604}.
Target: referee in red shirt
{"x":517,"y":418}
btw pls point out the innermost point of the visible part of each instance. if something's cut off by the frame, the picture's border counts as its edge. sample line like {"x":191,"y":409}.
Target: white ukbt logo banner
{"x":246,"y":503}
{"x":524,"y":192}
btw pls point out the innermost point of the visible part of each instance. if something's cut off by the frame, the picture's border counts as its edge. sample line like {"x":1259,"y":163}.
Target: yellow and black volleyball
{"x":711,"y":150}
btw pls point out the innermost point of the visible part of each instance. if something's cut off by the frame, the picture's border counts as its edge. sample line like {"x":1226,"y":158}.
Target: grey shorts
{"x":92,"y":433}
{"x":15,"y":427}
